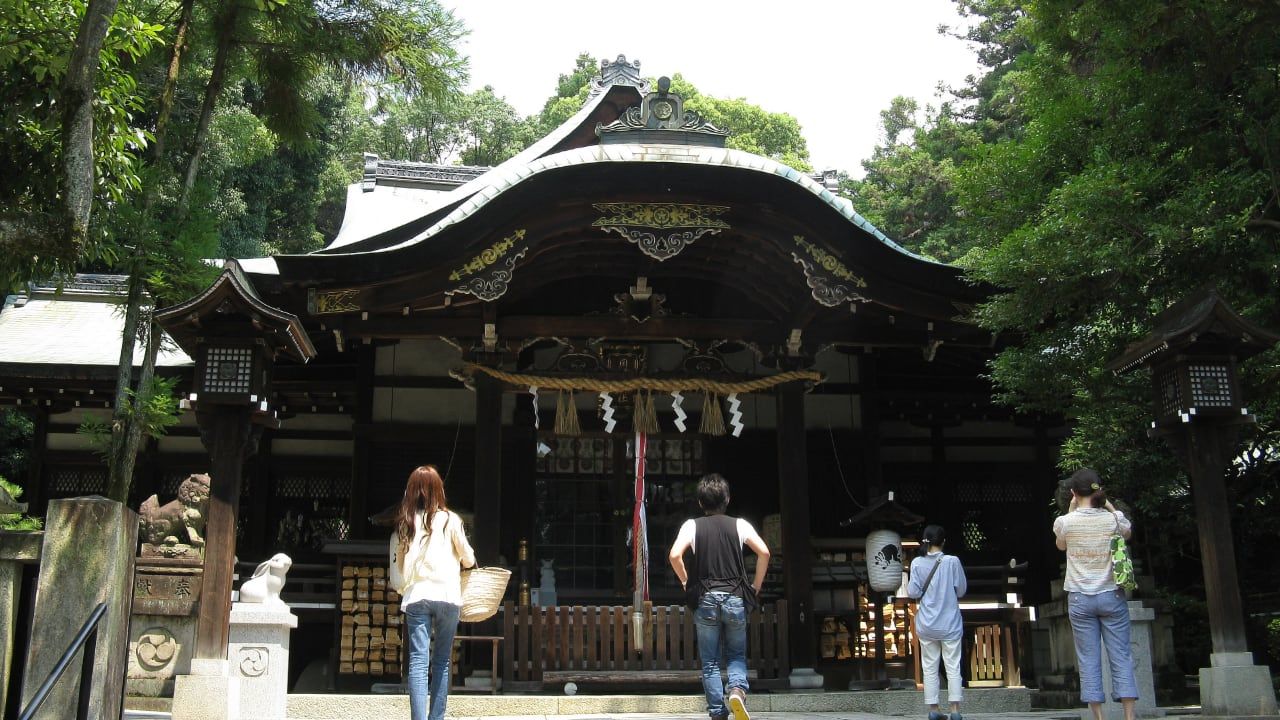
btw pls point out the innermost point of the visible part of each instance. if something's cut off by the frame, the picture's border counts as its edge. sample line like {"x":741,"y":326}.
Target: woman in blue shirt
{"x":938,"y":582}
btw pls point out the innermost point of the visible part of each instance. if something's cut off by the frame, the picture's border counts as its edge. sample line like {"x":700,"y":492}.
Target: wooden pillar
{"x":261,"y":490}
{"x":797,"y":547}
{"x":230,"y":436}
{"x":1208,"y":450}
{"x":362,"y":417}
{"x":33,"y":493}
{"x":869,"y":401}
{"x":488,"y":478}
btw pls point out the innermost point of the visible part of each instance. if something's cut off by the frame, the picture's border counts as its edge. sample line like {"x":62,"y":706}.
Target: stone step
{"x":887,"y":702}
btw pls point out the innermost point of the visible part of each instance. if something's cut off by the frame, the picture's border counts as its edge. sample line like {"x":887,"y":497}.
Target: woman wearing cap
{"x":1097,"y":608}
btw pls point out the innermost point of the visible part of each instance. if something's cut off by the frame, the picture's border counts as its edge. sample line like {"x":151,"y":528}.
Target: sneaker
{"x":935,"y":715}
{"x":956,"y":716}
{"x":719,"y":717}
{"x":738,"y":704}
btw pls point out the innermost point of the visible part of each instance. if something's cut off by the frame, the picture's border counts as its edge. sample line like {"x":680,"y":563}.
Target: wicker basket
{"x":482,"y":591}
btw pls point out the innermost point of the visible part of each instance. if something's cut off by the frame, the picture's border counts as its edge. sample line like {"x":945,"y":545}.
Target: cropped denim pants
{"x":1098,"y":620}
{"x":721,"y":622}
{"x":432,"y":625}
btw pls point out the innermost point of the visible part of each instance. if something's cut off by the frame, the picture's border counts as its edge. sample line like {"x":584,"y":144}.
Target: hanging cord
{"x":835,"y":451}
{"x":457,"y":430}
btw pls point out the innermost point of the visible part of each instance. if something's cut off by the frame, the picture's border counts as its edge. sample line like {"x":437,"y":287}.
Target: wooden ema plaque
{"x":370,"y":634}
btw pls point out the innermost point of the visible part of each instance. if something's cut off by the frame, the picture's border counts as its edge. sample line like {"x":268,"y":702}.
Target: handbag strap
{"x":929,"y":579}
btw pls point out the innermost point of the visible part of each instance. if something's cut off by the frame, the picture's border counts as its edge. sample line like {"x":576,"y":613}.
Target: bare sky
{"x":833,"y":64}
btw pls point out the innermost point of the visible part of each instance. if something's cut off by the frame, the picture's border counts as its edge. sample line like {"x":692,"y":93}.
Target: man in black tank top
{"x":717,"y":589}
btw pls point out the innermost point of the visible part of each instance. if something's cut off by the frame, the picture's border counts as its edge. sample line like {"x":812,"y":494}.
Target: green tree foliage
{"x":15,"y":438}
{"x":1146,"y":168}
{"x":17,"y":521}
{"x":1114,"y":157}
{"x":36,"y":42}
{"x":492,"y":130}
{"x":751,"y":127}
{"x":571,"y":93}
{"x":908,"y":188}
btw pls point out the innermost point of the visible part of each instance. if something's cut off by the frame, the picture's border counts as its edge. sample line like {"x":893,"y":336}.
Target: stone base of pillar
{"x":1234,"y":686}
{"x":258,"y":652}
{"x":480,"y":680}
{"x":805,"y":679}
{"x":210,"y":692}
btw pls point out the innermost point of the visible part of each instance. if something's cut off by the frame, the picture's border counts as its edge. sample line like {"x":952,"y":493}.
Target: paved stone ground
{"x":1035,"y":715}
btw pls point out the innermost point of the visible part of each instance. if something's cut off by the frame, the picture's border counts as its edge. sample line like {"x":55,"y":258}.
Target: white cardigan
{"x":431,"y":567}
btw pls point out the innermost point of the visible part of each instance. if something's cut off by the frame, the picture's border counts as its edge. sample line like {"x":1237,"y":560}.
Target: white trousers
{"x":950,"y":651}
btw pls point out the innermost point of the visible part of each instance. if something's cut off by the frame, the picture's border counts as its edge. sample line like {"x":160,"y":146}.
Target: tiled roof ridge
{"x":109,"y":284}
{"x":376,"y":168}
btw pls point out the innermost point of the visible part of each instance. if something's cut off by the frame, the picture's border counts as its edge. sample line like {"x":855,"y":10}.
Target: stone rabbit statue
{"x":267,"y":582}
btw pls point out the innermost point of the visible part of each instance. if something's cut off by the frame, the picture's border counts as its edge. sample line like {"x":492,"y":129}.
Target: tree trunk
{"x":120,"y":468}
{"x":76,"y":96}
{"x":171,"y":81}
{"x":212,"y":91}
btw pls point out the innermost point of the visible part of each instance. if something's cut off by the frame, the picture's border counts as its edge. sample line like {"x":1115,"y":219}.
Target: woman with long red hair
{"x":429,"y":548}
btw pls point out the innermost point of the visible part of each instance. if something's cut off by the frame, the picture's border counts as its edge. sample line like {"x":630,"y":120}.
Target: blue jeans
{"x":1097,"y":620}
{"x":432,"y":625}
{"x":721,"y":622}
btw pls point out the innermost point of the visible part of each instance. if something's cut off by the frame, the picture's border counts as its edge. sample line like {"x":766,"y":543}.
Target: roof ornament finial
{"x":661,"y":118}
{"x":618,"y":72}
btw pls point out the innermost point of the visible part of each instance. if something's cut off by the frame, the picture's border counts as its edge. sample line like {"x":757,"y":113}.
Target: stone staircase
{"x":891,"y":702}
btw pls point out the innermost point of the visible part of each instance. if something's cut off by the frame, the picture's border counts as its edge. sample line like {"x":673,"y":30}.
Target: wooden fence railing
{"x":596,"y":644}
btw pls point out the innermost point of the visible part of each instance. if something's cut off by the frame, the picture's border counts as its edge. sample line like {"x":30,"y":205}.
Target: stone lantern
{"x":1192,"y":354}
{"x":235,"y":339}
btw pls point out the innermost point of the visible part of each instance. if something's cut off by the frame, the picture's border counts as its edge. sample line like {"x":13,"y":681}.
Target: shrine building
{"x":516,"y":326}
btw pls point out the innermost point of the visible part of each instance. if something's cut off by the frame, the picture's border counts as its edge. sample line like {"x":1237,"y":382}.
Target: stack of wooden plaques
{"x":369,"y":637}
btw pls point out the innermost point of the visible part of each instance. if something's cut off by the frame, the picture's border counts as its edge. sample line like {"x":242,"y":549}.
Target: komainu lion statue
{"x":267,"y":581}
{"x":177,"y":525}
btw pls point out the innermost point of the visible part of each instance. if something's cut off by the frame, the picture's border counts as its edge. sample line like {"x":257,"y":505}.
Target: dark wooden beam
{"x":488,"y":478}
{"x":797,"y":545}
{"x":230,"y":436}
{"x":34,"y":491}
{"x":868,"y":377}
{"x":358,"y":510}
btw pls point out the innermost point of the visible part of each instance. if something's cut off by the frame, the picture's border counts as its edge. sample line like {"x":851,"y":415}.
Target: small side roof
{"x":77,"y":324}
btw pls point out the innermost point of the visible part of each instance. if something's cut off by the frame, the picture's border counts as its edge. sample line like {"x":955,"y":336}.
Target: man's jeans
{"x":1098,"y":619}
{"x":721,"y":621}
{"x":432,"y":625}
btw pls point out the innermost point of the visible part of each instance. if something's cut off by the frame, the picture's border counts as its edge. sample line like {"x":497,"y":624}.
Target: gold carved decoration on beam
{"x":491,"y":269}
{"x":829,"y":262}
{"x":822,"y":276}
{"x":330,"y":302}
{"x":488,"y":257}
{"x":637,"y":222}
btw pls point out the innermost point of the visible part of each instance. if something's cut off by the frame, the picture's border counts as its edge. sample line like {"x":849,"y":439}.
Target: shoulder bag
{"x":1121,"y":563}
{"x":929,"y":579}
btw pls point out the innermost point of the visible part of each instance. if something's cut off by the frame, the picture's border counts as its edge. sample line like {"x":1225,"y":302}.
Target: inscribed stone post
{"x":87,"y":558}
{"x":16,"y":549}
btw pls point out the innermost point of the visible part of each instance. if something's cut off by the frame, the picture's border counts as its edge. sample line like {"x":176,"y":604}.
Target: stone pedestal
{"x":1232,"y":685}
{"x":86,"y":558}
{"x":1140,"y":646}
{"x":163,"y":628}
{"x":258,"y":650}
{"x":805,"y":679}
{"x":210,"y":692}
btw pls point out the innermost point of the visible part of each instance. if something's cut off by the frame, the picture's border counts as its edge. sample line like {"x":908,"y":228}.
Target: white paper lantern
{"x":884,"y":560}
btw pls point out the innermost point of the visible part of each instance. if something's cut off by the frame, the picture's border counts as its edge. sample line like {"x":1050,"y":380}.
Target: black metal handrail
{"x":87,"y":638}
